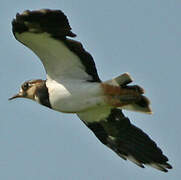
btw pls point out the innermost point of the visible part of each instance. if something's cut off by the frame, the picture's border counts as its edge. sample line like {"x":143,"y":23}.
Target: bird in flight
{"x":73,"y":86}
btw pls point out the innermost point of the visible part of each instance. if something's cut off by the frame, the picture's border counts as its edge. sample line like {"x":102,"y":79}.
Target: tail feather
{"x":124,"y":96}
{"x":142,"y":105}
{"x":121,"y":80}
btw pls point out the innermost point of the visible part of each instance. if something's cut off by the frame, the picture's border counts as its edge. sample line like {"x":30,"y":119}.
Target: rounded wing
{"x":45,"y":32}
{"x":114,"y":130}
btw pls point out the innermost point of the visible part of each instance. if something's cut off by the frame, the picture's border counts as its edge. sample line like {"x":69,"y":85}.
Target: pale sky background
{"x":136,"y":36}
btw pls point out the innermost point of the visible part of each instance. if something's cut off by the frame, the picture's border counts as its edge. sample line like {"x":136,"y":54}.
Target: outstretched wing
{"x":45,"y":32}
{"x":114,"y":130}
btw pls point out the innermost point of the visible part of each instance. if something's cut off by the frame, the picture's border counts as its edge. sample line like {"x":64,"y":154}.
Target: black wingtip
{"x":168,"y":166}
{"x":53,"y":22}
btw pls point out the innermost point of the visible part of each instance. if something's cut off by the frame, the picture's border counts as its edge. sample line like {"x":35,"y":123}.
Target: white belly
{"x":74,"y":97}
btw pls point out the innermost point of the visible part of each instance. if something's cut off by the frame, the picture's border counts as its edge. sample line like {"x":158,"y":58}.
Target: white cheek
{"x":20,"y":90}
{"x":37,"y":99}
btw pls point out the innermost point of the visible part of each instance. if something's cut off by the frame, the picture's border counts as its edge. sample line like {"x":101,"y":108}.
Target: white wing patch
{"x":60,"y":63}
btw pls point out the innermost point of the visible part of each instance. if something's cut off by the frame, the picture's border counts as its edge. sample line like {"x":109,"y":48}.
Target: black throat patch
{"x":43,"y":95}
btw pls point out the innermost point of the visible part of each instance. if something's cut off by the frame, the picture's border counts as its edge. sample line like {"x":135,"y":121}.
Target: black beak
{"x":19,"y":95}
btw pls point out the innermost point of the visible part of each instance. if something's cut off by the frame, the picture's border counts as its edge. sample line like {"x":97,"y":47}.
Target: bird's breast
{"x":74,"y":97}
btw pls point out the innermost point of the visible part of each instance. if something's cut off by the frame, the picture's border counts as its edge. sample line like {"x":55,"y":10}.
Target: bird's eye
{"x":25,"y":86}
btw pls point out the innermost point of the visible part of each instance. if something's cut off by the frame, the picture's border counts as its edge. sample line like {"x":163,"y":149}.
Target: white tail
{"x":121,"y":80}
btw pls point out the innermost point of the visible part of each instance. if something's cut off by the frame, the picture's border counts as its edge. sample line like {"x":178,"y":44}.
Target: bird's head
{"x":29,"y":89}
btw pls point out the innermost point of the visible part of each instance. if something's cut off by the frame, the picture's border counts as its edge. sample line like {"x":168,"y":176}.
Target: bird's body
{"x":74,"y":97}
{"x":73,"y":86}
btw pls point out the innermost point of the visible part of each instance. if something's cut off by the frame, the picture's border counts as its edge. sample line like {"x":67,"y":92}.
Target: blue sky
{"x":139,"y":37}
